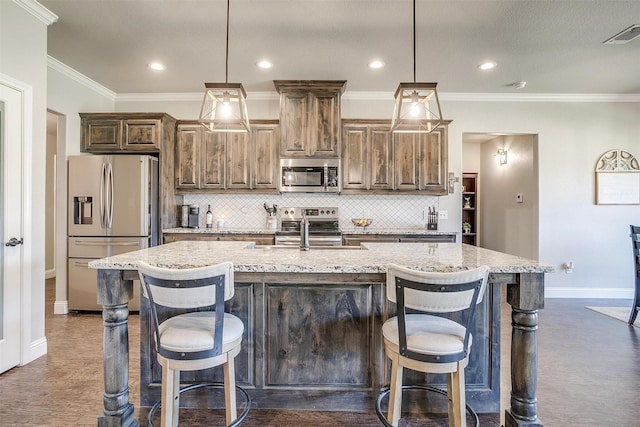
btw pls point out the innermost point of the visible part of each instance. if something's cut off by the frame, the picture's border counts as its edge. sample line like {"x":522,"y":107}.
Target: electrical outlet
{"x":443,"y":215}
{"x":568,"y":267}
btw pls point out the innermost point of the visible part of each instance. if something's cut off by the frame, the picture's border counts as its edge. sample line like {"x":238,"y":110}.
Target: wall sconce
{"x":502,"y":153}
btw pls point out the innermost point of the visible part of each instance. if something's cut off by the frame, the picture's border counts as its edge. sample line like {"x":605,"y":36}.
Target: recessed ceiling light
{"x":487,"y":66}
{"x":376,"y":63}
{"x":157,"y":66}
{"x":264,"y":64}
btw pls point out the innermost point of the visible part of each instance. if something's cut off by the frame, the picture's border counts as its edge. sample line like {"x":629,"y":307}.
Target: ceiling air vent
{"x":625,"y":36}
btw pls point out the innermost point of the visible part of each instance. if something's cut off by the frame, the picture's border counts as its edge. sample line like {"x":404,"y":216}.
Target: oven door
{"x":287,"y":240}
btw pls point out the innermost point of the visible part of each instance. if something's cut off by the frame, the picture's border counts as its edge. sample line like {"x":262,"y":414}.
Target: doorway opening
{"x":507,"y":205}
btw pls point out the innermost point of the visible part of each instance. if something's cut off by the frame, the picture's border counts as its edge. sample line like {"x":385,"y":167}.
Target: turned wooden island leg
{"x":525,"y":298}
{"x":113,"y":294}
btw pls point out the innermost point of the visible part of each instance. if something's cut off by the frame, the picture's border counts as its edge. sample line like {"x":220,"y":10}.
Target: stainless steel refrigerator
{"x":112,"y":209}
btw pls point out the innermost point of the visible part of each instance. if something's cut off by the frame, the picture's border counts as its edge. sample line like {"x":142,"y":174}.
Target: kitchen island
{"x":313,"y":322}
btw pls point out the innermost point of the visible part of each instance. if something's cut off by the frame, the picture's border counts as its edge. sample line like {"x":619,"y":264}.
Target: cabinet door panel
{"x":433,"y":165}
{"x":381,"y":159}
{"x":317,"y":334}
{"x":266,"y":140}
{"x":238,"y":160}
{"x":324,"y":125}
{"x":102,"y":135}
{"x":406,"y":154}
{"x":188,"y":152}
{"x":142,"y":135}
{"x":295,"y":111}
{"x":213,"y":156}
{"x":354,"y":157}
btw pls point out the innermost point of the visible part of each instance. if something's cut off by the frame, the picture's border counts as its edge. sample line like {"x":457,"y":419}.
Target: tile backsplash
{"x":246,"y":211}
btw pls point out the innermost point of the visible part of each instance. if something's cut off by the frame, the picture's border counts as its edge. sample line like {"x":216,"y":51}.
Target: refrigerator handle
{"x":103,"y":177}
{"x":110,"y":193}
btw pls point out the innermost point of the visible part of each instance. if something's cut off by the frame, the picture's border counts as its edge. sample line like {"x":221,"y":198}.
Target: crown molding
{"x":38,"y":10}
{"x":64,"y":69}
{"x":540,"y":97}
{"x":186,"y":96}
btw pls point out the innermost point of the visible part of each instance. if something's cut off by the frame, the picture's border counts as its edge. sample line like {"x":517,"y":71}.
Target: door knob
{"x":14,"y":242}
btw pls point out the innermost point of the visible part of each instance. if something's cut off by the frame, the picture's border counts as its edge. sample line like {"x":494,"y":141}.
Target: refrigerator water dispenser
{"x":82,"y":210}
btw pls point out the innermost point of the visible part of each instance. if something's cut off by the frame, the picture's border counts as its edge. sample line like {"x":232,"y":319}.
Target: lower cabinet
{"x":356,"y":239}
{"x":259,"y":239}
{"x":315,"y":341}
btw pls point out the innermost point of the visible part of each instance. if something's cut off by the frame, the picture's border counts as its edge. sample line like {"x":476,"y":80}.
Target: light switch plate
{"x":519,"y":198}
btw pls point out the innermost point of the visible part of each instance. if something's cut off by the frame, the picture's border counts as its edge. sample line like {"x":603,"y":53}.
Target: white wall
{"x":23,"y":52}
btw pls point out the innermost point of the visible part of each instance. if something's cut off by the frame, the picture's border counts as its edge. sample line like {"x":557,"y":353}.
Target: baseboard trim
{"x":37,"y":349}
{"x":61,"y":307}
{"x":604,"y":293}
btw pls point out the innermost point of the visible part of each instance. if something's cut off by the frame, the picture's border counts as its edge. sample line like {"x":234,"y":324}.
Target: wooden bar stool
{"x":421,"y":340}
{"x":202,"y":338}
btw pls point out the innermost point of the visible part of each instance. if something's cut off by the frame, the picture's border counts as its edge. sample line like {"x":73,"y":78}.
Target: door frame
{"x":28,"y":350}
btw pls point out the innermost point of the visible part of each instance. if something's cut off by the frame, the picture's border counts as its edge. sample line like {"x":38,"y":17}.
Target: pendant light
{"x":224,"y":108}
{"x":417,"y":107}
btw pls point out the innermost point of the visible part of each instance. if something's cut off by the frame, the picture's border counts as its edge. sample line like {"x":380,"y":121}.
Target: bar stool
{"x":193,"y":340}
{"x":420,"y":340}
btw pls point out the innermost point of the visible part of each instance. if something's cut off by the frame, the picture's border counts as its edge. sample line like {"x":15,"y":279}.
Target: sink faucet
{"x":304,"y":234}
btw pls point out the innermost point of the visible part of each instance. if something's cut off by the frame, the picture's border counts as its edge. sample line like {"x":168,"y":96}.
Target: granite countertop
{"x":347,"y":230}
{"x":371,"y":258}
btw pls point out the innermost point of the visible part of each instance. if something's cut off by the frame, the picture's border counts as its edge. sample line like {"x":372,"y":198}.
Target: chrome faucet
{"x":304,"y":234}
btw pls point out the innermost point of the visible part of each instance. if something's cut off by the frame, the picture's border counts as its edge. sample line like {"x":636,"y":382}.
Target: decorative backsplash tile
{"x":247,"y":211}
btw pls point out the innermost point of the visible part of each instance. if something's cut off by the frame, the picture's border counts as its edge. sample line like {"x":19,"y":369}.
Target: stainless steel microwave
{"x":310,"y":175}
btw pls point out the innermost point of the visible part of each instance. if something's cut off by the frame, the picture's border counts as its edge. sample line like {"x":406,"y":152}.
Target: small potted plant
{"x":466,"y":227}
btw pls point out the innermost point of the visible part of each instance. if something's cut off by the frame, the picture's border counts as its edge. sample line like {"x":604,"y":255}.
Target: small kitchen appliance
{"x":194,"y":216}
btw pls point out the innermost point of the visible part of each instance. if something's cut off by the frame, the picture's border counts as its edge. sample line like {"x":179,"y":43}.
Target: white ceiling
{"x":554,"y":45}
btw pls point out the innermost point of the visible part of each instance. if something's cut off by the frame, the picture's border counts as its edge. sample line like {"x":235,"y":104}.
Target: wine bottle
{"x":209,"y":217}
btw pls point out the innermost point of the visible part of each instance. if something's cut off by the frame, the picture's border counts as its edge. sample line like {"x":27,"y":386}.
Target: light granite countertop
{"x":347,"y":230}
{"x":370,"y":258}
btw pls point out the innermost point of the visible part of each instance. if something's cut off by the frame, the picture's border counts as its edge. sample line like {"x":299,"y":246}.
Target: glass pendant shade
{"x":417,"y":108}
{"x":224,"y":108}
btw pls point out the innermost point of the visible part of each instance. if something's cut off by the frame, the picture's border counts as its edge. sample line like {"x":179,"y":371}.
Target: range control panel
{"x":296,"y":213}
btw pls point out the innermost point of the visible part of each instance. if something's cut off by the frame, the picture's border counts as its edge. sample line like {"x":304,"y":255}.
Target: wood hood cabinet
{"x":310,"y":117}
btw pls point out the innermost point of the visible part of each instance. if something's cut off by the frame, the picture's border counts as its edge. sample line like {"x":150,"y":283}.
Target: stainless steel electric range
{"x":324,"y":227}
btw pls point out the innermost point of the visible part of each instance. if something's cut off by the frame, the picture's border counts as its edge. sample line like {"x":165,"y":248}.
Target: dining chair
{"x":635,"y":241}
{"x":420,"y":338}
{"x":197,"y":334}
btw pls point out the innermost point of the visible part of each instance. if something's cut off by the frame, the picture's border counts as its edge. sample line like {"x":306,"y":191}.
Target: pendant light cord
{"x":226,"y":72}
{"x":414,"y":40}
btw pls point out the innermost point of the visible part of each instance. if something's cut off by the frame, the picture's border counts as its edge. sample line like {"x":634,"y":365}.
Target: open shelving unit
{"x":470,"y":207}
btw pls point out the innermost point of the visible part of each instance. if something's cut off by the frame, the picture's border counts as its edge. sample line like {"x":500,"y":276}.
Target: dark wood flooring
{"x":589,"y":375}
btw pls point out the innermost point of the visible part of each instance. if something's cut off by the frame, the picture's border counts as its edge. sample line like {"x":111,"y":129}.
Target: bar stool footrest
{"x":235,"y":423}
{"x":385,"y":392}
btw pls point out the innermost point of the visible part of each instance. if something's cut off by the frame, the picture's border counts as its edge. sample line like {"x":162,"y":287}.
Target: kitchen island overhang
{"x":342,"y":289}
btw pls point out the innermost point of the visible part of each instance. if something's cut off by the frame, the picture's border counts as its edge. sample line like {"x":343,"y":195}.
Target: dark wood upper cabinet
{"x":211,"y":161}
{"x":125,"y":132}
{"x":375,"y":160}
{"x":367,"y":160}
{"x":310,"y":117}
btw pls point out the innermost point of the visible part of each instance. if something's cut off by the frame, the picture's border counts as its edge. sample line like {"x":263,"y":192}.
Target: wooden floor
{"x":589,"y":375}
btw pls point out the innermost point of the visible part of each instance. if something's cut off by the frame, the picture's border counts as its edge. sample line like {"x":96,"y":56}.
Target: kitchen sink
{"x":313,"y":248}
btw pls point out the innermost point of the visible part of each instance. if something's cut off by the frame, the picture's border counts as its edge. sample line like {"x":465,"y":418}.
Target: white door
{"x":11,"y":247}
